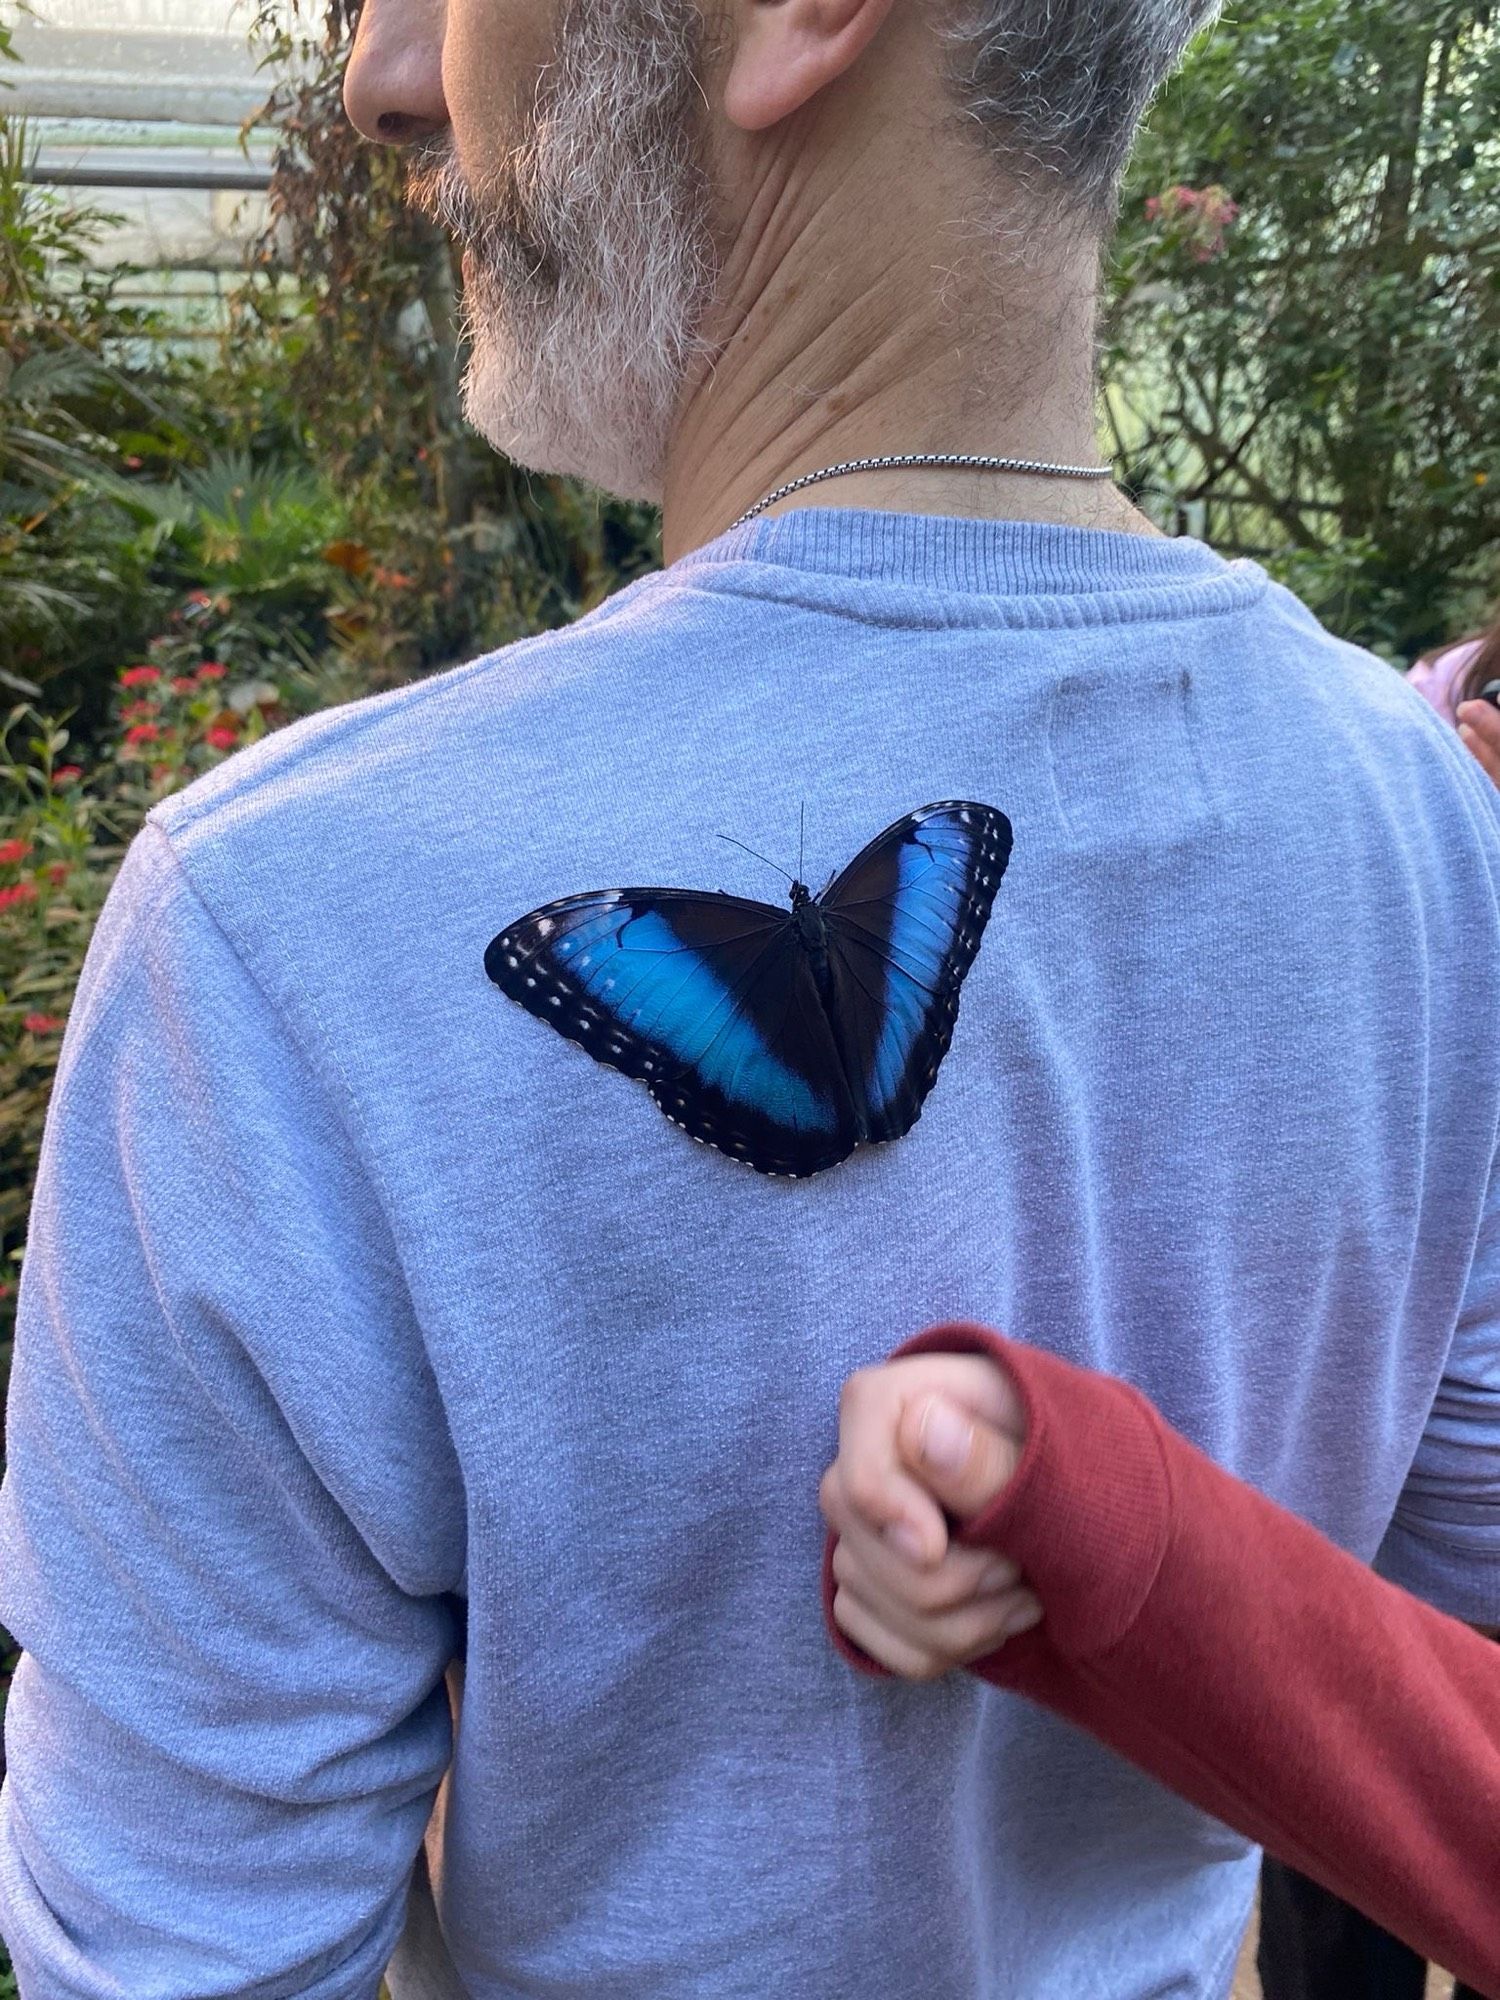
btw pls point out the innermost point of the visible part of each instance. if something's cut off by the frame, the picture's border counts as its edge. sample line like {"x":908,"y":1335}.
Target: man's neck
{"x":811,"y":372}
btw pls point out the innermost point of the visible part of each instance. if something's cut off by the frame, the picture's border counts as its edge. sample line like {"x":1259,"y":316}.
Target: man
{"x":368,"y":1326}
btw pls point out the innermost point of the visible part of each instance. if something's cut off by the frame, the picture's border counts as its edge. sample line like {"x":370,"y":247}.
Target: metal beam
{"x":217,"y":174}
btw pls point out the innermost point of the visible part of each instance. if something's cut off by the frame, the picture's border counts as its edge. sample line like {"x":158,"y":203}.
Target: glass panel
{"x":183,"y":60}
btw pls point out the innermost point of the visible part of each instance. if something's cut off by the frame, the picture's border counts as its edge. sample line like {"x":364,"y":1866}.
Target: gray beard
{"x":590,"y":260}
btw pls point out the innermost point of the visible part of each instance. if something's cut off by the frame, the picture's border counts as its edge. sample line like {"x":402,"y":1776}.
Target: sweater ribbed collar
{"x":955,"y":553}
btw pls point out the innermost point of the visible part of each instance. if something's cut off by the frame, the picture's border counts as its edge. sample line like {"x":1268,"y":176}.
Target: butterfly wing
{"x":904,"y":921}
{"x":708,"y":999}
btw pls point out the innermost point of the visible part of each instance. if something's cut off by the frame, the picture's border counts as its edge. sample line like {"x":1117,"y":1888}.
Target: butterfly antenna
{"x":750,"y":850}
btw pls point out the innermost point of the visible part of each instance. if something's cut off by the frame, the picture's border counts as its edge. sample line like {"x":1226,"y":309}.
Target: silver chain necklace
{"x":923,"y":458}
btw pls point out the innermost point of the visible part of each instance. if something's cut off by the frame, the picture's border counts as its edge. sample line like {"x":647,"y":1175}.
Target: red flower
{"x":1153,"y":207}
{"x":42,"y":1024}
{"x":14,"y":850}
{"x":183,"y":684}
{"x":57,"y":871}
{"x":143,"y":732}
{"x":139,"y":711}
{"x":133,"y":462}
{"x":221,"y":736}
{"x":66,"y":773}
{"x":211,"y":671}
{"x":19,"y":892}
{"x":136,"y":676}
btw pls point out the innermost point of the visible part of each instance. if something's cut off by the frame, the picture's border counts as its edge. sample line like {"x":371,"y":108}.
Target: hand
{"x":917,"y":1436}
{"x":1479,"y":726}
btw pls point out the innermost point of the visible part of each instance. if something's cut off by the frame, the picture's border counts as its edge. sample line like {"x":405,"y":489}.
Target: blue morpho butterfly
{"x":782,"y":1037}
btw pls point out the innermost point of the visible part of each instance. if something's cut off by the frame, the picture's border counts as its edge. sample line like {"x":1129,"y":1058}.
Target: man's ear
{"x":786,"y":51}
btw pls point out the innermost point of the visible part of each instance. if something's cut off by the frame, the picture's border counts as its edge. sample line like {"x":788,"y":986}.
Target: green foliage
{"x":1326,"y":377}
{"x":257,"y":529}
{"x":324,"y":421}
{"x":63,"y":842}
{"x":371,"y":344}
{"x":72,"y":567}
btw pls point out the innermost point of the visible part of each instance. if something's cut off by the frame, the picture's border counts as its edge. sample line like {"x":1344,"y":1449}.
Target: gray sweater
{"x":366,"y":1324}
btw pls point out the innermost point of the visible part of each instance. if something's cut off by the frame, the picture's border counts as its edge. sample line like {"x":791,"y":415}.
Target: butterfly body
{"x":782,"y":1037}
{"x":812,"y":933}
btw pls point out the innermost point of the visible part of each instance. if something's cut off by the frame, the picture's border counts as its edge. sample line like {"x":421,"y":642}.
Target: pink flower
{"x":143,"y":732}
{"x":18,"y":892}
{"x":137,"y":676}
{"x":1200,"y":215}
{"x":183,"y":684}
{"x":42,"y":1024}
{"x":221,"y":737}
{"x":14,"y":850}
{"x":65,"y":774}
{"x":211,"y":671}
{"x":1216,"y":207}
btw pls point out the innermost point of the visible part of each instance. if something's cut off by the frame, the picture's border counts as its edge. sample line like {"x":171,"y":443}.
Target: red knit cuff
{"x":1087,"y":1512}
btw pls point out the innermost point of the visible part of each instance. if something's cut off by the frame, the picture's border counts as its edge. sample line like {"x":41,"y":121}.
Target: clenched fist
{"x":921,"y":1439}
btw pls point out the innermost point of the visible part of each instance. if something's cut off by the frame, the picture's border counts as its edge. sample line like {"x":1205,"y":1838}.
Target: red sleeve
{"x":1232,"y":1651}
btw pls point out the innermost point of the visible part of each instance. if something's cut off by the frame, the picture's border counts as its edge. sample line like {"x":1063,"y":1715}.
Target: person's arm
{"x":1227,"y":1648}
{"x":1443,"y":1542}
{"x":1433,"y":677}
{"x":1479,"y":732}
{"x":229,"y":1720}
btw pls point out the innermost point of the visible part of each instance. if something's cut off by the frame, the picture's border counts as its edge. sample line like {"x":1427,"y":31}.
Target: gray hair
{"x":1056,"y":89}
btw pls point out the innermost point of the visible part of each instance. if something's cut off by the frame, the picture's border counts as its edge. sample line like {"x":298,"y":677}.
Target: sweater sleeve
{"x":1229,"y":1649}
{"x":229,"y":1721}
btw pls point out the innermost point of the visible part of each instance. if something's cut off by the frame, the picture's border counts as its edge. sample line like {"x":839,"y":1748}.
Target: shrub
{"x":1304,"y":335}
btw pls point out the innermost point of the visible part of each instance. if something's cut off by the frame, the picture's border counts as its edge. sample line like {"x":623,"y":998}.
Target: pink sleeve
{"x":1435,"y":679}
